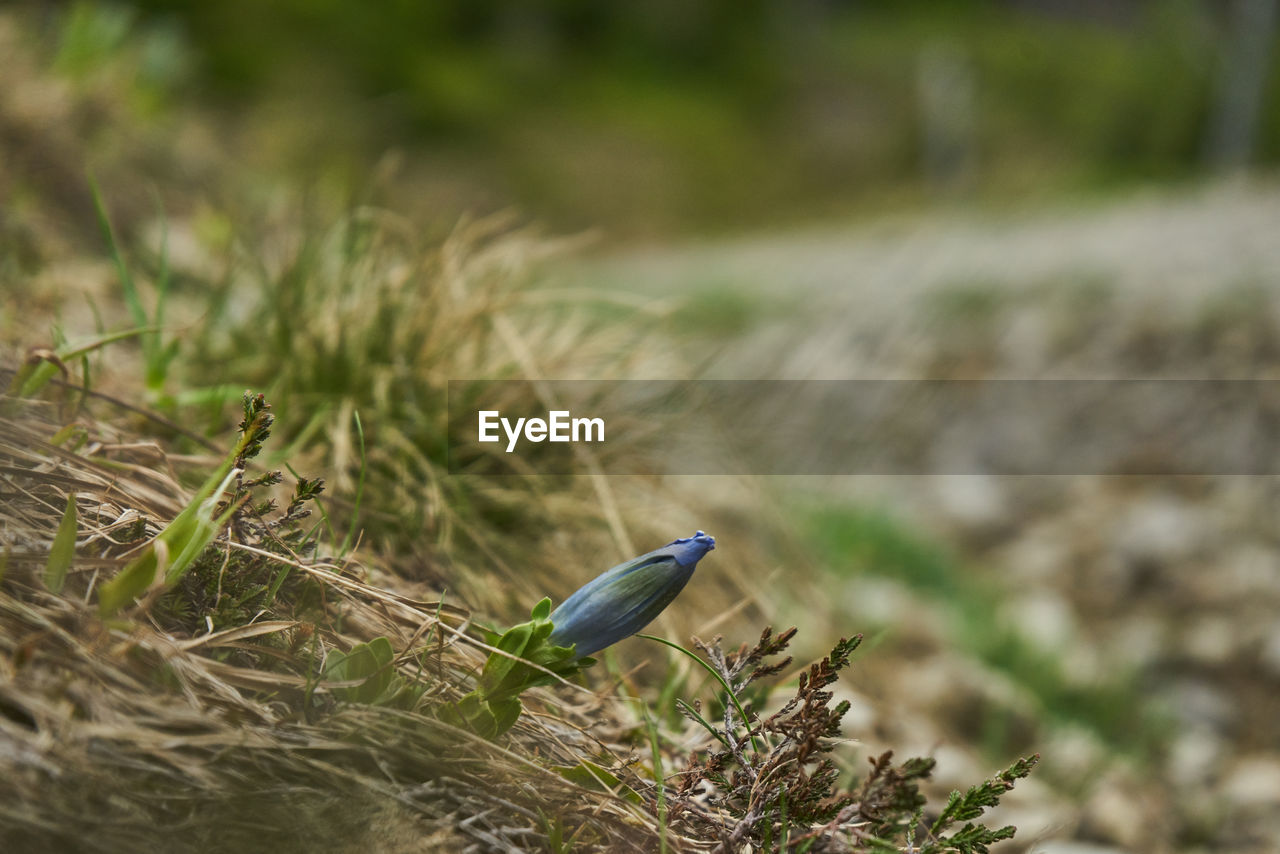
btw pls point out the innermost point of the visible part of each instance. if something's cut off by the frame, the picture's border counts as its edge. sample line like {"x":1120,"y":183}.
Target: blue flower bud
{"x":621,"y":601}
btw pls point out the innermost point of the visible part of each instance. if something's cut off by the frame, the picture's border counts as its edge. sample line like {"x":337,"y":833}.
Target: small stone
{"x":1199,"y":705}
{"x":1252,"y":569}
{"x":861,"y":716}
{"x":877,"y":599}
{"x":1253,"y":782}
{"x":1083,"y":664}
{"x":974,"y":501}
{"x":1035,"y":823}
{"x":1116,"y":813}
{"x":957,"y":768}
{"x":1211,"y":640}
{"x":1045,"y":619}
{"x":1195,"y":757}
{"x":1076,"y":750}
{"x":1161,"y":529}
{"x":1039,"y":557}
{"x":1025,"y":340}
{"x":1139,"y":641}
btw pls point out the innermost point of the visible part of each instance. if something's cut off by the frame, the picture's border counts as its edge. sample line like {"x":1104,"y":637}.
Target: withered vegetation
{"x":224,"y":711}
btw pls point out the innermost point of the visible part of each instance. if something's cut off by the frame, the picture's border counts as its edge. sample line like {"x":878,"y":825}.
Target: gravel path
{"x":1171,"y":243}
{"x":1173,"y":582}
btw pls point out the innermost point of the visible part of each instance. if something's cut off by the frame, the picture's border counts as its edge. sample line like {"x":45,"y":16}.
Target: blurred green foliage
{"x":721,"y":113}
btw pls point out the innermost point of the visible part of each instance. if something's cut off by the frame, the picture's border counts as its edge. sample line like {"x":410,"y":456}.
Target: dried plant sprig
{"x":770,"y":782}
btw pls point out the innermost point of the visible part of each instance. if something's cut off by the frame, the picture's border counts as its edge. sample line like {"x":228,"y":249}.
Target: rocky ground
{"x":1171,"y":583}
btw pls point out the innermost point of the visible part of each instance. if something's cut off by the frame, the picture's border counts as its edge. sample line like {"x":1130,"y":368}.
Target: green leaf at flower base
{"x":505,"y":714}
{"x":486,"y":719}
{"x":542,"y":610}
{"x":524,"y":658}
{"x":499,"y":668}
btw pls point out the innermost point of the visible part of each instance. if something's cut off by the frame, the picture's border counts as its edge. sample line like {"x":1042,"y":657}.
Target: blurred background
{"x":792,"y":190}
{"x":669,"y":119}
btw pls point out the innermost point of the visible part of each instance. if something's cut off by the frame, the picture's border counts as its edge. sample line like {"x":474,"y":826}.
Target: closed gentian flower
{"x":621,"y":601}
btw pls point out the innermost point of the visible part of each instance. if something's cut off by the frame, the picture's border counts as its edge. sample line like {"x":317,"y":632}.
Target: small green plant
{"x":523,"y":657}
{"x":553,"y":645}
{"x":234,"y":586}
{"x":371,"y":666}
{"x":166,"y":558}
{"x":974,"y":838}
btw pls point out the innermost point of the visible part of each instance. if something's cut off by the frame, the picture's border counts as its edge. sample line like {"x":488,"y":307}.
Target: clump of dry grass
{"x":117,"y":732}
{"x":354,"y":331}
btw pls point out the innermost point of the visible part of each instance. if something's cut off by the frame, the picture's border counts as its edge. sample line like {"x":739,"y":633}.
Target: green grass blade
{"x":206,"y":528}
{"x":355,"y":512}
{"x":175,"y":547}
{"x":160,"y":357}
{"x":86,"y":382}
{"x":140,"y":573}
{"x":755,"y":745}
{"x":658,"y":777}
{"x":693,"y":713}
{"x":131,"y":298}
{"x":35,"y":375}
{"x":69,"y":352}
{"x":163,"y":279}
{"x":63,"y":550}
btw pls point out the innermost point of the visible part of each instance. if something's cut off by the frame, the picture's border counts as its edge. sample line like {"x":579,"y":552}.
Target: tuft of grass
{"x":659,"y":776}
{"x":157,"y":355}
{"x":421,"y":316}
{"x":357,"y":329}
